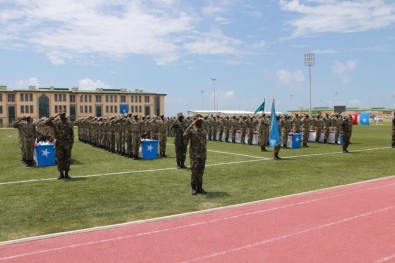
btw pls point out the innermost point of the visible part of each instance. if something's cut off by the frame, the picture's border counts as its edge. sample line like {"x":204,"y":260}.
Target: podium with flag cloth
{"x":44,"y":154}
{"x":149,"y":149}
{"x":294,"y":140}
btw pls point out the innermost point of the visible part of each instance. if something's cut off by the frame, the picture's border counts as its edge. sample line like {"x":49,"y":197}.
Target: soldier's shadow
{"x":75,"y":162}
{"x":217,"y":194}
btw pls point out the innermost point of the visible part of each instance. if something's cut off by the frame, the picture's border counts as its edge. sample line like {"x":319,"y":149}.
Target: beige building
{"x":45,"y":102}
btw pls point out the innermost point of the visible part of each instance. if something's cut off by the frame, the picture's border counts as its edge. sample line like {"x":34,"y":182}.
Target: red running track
{"x":353,"y":223}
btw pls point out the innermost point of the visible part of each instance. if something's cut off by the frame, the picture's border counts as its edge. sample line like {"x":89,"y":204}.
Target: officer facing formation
{"x":64,"y":139}
{"x":27,"y":135}
{"x":197,"y":153}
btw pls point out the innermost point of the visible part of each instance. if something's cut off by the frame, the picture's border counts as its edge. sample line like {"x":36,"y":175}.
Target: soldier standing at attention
{"x":162,"y":123}
{"x":306,"y":129}
{"x":346,"y":128}
{"x":64,"y":136}
{"x":393,"y":131}
{"x":197,"y":153}
{"x":180,"y":144}
{"x":263,"y":132}
{"x":327,"y":125}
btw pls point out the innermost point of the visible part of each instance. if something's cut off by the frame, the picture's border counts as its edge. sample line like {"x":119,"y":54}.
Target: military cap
{"x":62,"y":111}
{"x":180,"y":115}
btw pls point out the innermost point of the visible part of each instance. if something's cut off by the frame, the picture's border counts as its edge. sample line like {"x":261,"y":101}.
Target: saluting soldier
{"x":27,"y":133}
{"x":64,"y":139}
{"x":263,"y":132}
{"x":197,"y":153}
{"x":180,"y":144}
{"x":306,"y":129}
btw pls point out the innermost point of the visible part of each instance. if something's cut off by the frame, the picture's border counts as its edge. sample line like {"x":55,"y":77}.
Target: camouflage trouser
{"x":226,"y":135}
{"x":346,"y":140}
{"x":162,"y":142}
{"x":197,"y":169}
{"x":285,"y":134}
{"x":393,"y":136}
{"x":63,"y":155}
{"x":326,"y":134}
{"x":181,"y":151}
{"x":28,"y":148}
{"x":234,"y":132}
{"x":317,"y":134}
{"x":136,"y":140}
{"x":337,"y":133}
{"x":263,"y":138}
{"x":306,"y":135}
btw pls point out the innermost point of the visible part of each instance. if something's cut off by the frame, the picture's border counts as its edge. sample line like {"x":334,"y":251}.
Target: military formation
{"x":122,"y":134}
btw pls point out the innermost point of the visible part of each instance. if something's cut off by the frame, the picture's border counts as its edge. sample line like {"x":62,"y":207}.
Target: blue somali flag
{"x":364,"y":118}
{"x":124,"y":108}
{"x":296,"y":140}
{"x":274,"y":135}
{"x":44,"y":154}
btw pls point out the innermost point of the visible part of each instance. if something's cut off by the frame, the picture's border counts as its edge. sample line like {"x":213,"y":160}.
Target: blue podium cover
{"x":149,"y":149}
{"x":44,"y":154}
{"x":296,"y":140}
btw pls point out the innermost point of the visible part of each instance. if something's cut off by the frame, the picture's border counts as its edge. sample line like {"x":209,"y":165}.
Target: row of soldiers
{"x":122,"y":134}
{"x":225,"y":128}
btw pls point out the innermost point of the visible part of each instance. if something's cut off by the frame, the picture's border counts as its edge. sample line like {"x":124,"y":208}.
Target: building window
{"x":90,"y":98}
{"x":115,"y":109}
{"x":31,"y":97}
{"x":107,"y":109}
{"x":26,"y":96}
{"x":11,"y":97}
{"x":90,"y":109}
{"x":1,"y":97}
{"x":140,"y":108}
{"x":106,"y":98}
{"x":72,"y":98}
{"x":98,"y":98}
{"x":146,"y":99}
{"x":131,"y":98}
{"x":140,"y":100}
{"x":56,"y":109}
{"x":21,"y":97}
{"x":82,"y":109}
{"x":31,"y":109}
{"x":22,"y":109}
{"x":123,"y":98}
{"x":27,"y":108}
{"x":86,"y":108}
{"x":1,"y":109}
{"x":131,"y":109}
{"x":81,"y":97}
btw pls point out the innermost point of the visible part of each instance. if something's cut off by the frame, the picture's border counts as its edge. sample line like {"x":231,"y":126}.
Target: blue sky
{"x":254,"y":49}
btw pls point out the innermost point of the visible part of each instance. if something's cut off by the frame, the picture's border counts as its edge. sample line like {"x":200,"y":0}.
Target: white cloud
{"x":287,"y":77}
{"x":88,"y":84}
{"x":343,"y":67}
{"x":23,"y":84}
{"x":317,"y":16}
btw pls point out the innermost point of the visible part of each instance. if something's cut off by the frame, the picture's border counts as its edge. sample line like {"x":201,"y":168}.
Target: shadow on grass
{"x":75,"y":162}
{"x":76,"y":179}
{"x":217,"y":194}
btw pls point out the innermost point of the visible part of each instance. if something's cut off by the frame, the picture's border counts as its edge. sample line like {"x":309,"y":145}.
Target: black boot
{"x":182,"y":164}
{"x":66,"y":175}
{"x":61,"y":175}
{"x":393,"y":145}
{"x":200,"y":189}
{"x":164,"y":154}
{"x":194,"y":189}
{"x":178,"y":164}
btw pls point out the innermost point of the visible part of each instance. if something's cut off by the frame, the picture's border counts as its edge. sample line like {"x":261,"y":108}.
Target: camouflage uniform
{"x":319,"y":125}
{"x":285,"y":125}
{"x":263,"y":132}
{"x":393,"y":131}
{"x":306,"y":129}
{"x":327,"y":124}
{"x":197,"y":153}
{"x":180,"y":144}
{"x":346,"y":128}
{"x":136,"y":136}
{"x":27,"y":132}
{"x":64,"y":135}
{"x":162,"y":124}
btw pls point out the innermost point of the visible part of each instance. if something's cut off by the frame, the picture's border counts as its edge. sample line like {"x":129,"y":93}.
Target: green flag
{"x":261,"y":107}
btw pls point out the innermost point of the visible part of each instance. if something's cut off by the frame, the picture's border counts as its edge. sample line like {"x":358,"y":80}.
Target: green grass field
{"x":110,"y":189}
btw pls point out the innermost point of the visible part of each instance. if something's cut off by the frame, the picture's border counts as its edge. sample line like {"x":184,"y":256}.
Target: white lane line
{"x":172,"y":168}
{"x":190,"y":225}
{"x":385,"y":259}
{"x":263,"y":242}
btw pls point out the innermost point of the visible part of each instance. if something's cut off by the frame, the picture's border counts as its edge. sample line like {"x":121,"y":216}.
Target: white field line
{"x":257,"y":159}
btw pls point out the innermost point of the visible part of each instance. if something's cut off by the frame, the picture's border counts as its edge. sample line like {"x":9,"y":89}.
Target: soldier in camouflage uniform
{"x":263,"y":132}
{"x":135,"y":129}
{"x":162,"y":124}
{"x":180,"y":144}
{"x":227,"y":126}
{"x":234,"y":128}
{"x":27,"y":131}
{"x":276,"y":149}
{"x":319,"y":125}
{"x":296,"y":123}
{"x":64,"y":135}
{"x":393,"y":131}
{"x":346,"y":128}
{"x":285,"y":126}
{"x":197,"y":153}
{"x":327,"y":124}
{"x":306,"y":129}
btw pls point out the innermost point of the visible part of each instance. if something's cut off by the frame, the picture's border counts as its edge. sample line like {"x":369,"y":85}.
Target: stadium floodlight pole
{"x":214,"y":93}
{"x":202,"y":91}
{"x":309,"y":61}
